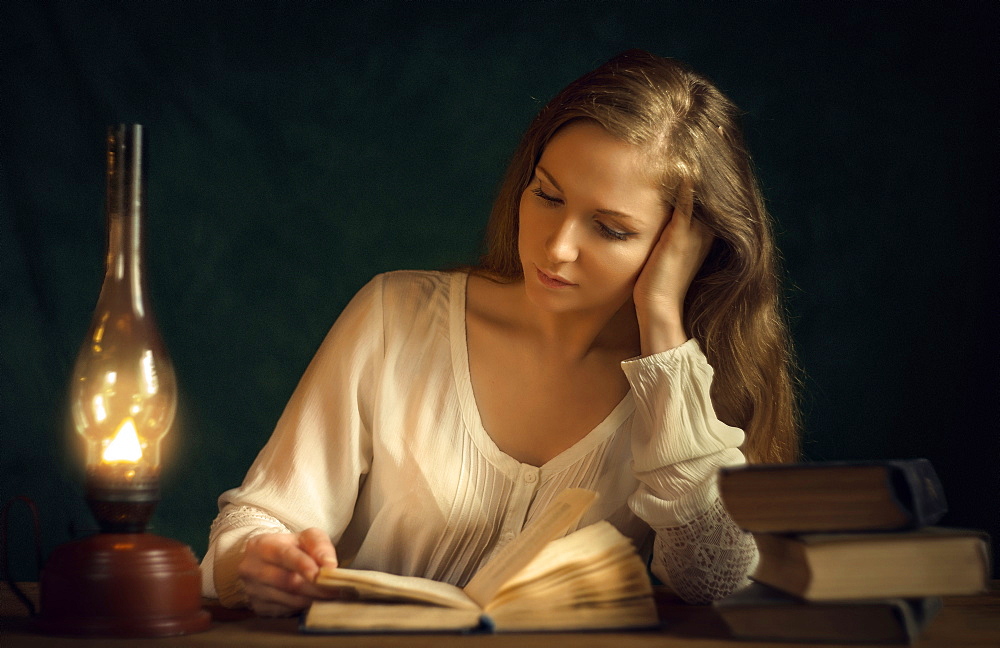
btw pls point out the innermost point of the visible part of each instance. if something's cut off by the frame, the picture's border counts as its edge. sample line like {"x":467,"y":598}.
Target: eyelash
{"x":551,"y":200}
{"x":602,"y":229}
{"x":609,"y":233}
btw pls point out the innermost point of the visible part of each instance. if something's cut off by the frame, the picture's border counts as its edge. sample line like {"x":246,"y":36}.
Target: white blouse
{"x":381,"y":446}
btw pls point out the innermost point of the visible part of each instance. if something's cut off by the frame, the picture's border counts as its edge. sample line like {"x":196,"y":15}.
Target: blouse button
{"x":530,"y":478}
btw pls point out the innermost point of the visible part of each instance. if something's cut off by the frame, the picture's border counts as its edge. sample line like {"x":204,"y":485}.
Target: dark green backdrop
{"x":298,"y":148}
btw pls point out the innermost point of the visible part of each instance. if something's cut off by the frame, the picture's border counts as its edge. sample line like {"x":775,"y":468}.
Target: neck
{"x":575,"y":336}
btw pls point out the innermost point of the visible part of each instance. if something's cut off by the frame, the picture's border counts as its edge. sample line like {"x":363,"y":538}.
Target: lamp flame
{"x":124,"y":446}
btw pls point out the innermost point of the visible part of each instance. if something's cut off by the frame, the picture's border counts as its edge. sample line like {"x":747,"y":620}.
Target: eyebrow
{"x":605,"y":212}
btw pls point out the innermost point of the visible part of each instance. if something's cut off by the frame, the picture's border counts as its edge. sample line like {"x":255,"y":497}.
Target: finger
{"x":684,"y":204}
{"x":315,"y":591}
{"x":272,"y":576}
{"x":294,"y":559}
{"x":282,"y":550}
{"x":263,"y":577}
{"x":271,"y":601}
{"x":317,"y":544}
{"x":704,"y":235}
{"x":693,"y":234}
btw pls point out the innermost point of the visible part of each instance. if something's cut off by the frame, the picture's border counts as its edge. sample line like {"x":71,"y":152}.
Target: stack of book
{"x":848,"y":551}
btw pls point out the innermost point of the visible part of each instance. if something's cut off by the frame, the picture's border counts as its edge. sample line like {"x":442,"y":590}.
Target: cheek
{"x":624,"y":265}
{"x":527,"y":223}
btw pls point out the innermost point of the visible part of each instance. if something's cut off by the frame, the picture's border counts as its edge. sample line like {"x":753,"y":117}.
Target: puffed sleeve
{"x":310,"y":471}
{"x":678,"y":445}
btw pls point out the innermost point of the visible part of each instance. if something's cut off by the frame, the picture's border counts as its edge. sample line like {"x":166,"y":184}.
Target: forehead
{"x":590,"y":164}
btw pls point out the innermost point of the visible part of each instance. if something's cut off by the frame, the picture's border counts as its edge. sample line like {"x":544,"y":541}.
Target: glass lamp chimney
{"x":123,"y":390}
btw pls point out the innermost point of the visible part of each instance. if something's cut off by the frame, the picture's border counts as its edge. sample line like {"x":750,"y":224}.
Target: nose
{"x":561,"y":246}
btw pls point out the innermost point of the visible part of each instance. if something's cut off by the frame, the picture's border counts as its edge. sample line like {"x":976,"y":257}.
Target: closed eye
{"x":610,"y":233}
{"x":546,"y":198}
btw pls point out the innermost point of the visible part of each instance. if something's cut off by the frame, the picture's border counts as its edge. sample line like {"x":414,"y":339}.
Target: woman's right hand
{"x":661,"y":288}
{"x":278,"y":570}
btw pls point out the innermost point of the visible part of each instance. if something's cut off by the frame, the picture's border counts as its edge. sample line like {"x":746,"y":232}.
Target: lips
{"x":553,"y":280}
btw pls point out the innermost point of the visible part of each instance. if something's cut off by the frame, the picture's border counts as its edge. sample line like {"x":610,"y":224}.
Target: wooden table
{"x":964,"y":621}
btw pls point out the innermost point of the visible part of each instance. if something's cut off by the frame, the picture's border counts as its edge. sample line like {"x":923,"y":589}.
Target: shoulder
{"x":411,"y":295}
{"x":391,"y":292}
{"x":413,"y":283}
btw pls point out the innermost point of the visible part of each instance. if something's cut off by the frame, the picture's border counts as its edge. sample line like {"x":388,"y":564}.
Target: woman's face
{"x":588,"y":220}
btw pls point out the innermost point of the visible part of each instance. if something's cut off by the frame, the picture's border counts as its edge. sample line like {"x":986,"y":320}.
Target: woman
{"x":628,"y":255}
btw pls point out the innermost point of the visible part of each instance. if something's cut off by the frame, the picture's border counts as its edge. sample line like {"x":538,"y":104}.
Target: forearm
{"x":678,"y":445}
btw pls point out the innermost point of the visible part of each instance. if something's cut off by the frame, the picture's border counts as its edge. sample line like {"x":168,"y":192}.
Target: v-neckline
{"x":470,"y":408}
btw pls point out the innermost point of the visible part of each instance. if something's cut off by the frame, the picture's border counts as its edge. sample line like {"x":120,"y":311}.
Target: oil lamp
{"x":123,"y":395}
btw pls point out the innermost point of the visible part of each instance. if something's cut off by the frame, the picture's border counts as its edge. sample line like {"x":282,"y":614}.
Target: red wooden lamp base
{"x":122,"y":585}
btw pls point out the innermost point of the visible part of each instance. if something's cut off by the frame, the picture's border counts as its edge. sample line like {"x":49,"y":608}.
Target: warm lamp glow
{"x":124,"y":446}
{"x":123,"y":394}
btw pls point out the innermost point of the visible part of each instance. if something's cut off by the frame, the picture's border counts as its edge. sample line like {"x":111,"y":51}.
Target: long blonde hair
{"x":733,"y":307}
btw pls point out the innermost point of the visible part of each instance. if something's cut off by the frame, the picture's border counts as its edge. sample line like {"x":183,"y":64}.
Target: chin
{"x":546,"y":299}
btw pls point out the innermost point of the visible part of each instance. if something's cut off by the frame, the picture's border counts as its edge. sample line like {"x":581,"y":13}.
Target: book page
{"x":346,"y":616}
{"x":597,"y":564}
{"x":589,"y":545}
{"x":561,"y":514}
{"x":606,"y":583}
{"x":379,"y":586}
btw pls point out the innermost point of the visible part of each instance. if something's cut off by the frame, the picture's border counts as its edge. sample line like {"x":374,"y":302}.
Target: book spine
{"x":917,"y":490}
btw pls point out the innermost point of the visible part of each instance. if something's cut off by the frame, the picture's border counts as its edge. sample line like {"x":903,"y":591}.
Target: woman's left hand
{"x":665,"y":278}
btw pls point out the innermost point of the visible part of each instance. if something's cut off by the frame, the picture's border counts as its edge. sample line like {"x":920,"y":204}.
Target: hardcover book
{"x":934,"y":561}
{"x":833,"y":496}
{"x":761,"y":613}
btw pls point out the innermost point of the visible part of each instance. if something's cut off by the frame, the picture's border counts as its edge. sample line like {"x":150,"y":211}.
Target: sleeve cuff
{"x":663,"y":359}
{"x":220,"y":568}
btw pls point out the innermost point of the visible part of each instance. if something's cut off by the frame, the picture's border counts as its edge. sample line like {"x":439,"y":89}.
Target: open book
{"x":590,"y":579}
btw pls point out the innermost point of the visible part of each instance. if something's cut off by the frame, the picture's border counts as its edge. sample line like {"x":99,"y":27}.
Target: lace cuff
{"x":244,"y":516}
{"x":230,"y":532}
{"x":706,"y":559}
